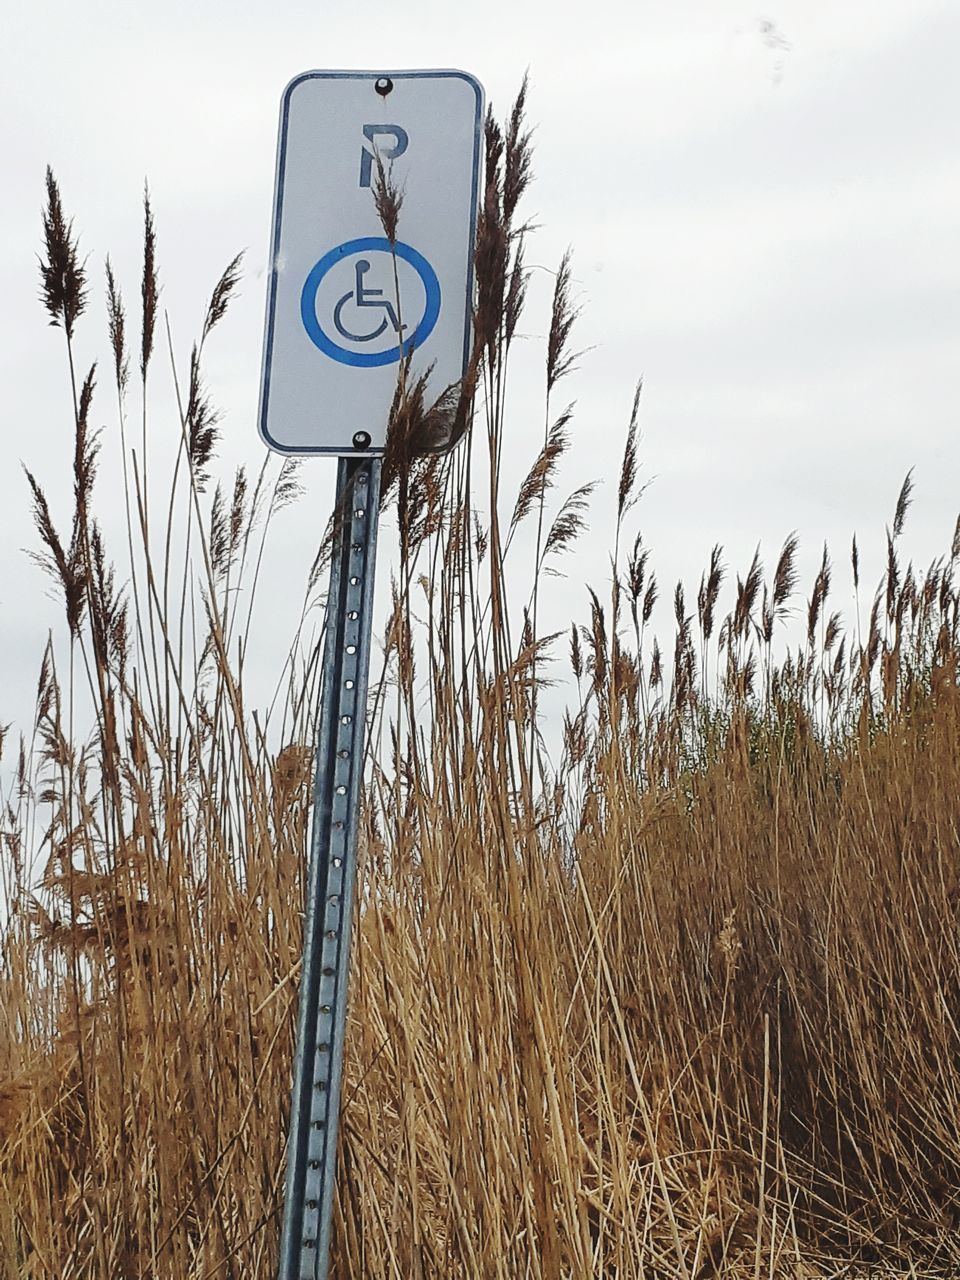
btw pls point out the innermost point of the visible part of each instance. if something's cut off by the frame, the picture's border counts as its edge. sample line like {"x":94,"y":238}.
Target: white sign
{"x":343,"y":304}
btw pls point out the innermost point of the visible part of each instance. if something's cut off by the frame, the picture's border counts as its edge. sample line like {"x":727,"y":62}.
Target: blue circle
{"x":369,"y":359}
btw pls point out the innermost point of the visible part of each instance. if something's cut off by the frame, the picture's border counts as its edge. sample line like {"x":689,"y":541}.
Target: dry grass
{"x":673,"y":998}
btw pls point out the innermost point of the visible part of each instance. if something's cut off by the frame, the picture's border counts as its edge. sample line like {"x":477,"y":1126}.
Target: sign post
{"x":345,"y":305}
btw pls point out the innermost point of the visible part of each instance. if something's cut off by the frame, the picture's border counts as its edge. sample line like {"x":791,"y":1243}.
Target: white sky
{"x":763,"y":201}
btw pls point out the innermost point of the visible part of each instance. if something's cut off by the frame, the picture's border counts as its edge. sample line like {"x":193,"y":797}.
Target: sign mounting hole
{"x":384,"y":86}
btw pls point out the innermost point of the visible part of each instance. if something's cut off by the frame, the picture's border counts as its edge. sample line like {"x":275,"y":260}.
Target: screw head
{"x":384,"y":86}
{"x":361,"y":439}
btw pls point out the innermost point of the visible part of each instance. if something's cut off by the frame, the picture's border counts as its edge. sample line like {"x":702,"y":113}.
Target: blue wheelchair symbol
{"x":365,"y":298}
{"x":354,"y":315}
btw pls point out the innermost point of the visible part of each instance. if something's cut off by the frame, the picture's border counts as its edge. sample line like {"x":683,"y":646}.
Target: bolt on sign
{"x":344,"y":304}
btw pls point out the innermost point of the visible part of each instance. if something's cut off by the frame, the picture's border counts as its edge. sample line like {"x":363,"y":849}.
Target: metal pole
{"x":318,"y":1064}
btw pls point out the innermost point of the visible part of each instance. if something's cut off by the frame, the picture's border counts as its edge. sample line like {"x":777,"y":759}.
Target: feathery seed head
{"x":63,"y":276}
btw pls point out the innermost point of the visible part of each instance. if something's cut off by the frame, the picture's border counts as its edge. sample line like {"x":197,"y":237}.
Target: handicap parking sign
{"x":344,"y":304}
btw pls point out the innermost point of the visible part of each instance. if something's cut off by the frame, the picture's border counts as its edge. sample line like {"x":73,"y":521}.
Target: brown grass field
{"x":668,"y":989}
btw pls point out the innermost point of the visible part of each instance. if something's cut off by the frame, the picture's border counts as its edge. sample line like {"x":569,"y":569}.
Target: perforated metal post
{"x":318,"y":1066}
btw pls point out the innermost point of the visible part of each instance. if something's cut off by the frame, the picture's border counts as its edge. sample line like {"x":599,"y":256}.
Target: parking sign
{"x":344,"y":304}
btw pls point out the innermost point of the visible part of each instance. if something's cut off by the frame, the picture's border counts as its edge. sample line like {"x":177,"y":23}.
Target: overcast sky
{"x":763,"y":203}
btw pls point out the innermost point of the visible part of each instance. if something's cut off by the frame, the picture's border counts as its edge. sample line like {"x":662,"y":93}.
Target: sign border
{"x":276,"y":228}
